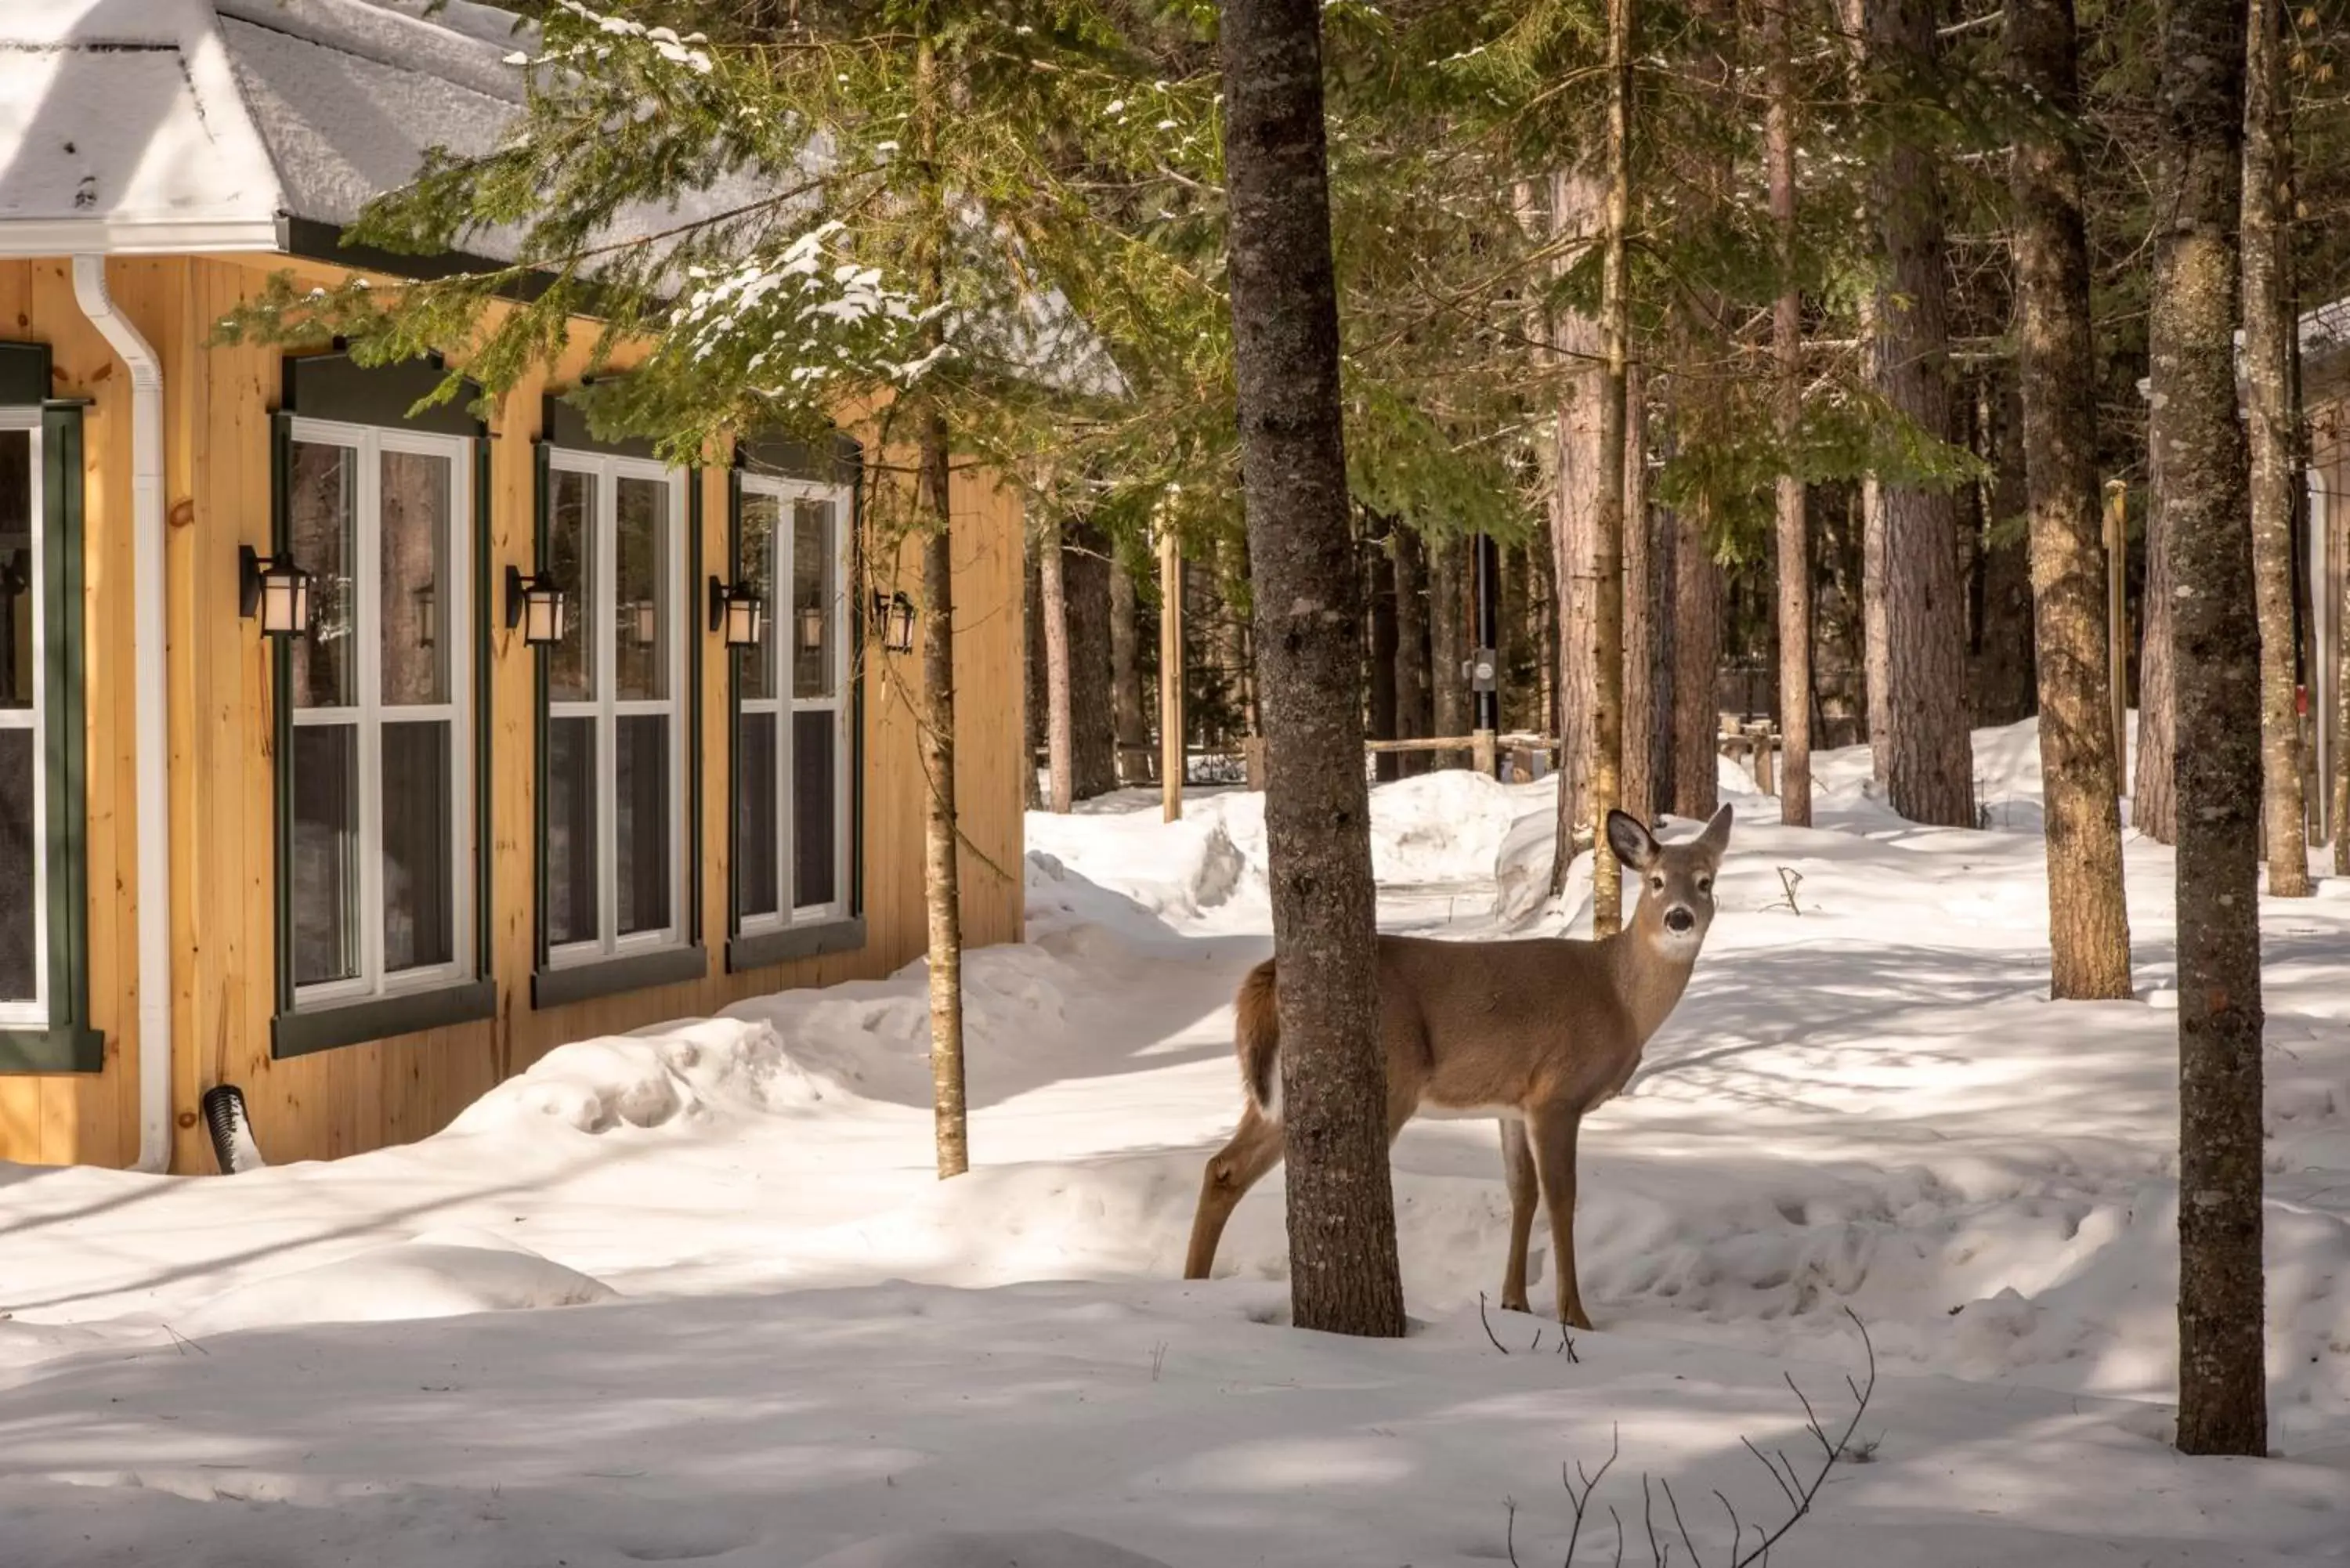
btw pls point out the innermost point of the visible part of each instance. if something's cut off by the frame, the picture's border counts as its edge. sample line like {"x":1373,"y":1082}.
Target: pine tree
{"x":2088,"y":916}
{"x":2201,"y":470}
{"x":1284,"y":322}
{"x":1791,"y":532}
{"x":2270,"y":418}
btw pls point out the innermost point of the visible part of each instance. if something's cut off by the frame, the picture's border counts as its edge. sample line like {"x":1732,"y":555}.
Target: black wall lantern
{"x":737,"y":610}
{"x":893,"y":620}
{"x":538,"y":606}
{"x":274,"y":589}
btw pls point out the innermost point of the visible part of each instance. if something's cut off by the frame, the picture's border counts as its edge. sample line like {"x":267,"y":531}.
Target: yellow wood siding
{"x":336,"y":1101}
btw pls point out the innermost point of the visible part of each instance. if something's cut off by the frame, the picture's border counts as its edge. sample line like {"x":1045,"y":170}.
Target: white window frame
{"x":606,"y":709}
{"x":780,"y":644}
{"x":371,"y":713}
{"x":21,"y":1013}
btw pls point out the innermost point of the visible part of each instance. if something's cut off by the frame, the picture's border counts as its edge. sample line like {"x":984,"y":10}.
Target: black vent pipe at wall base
{"x":232,"y":1130}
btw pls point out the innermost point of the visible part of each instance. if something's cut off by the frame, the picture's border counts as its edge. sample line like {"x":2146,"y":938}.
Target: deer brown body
{"x":1532,"y":1032}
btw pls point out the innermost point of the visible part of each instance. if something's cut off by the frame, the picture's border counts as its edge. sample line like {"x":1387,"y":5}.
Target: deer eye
{"x":1705,"y":884}
{"x":1657,"y":883}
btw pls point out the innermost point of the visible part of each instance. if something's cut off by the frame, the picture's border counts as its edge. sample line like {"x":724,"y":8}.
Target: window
{"x":44,"y":989}
{"x":794,"y":751}
{"x":615,"y":753}
{"x":24,"y":813}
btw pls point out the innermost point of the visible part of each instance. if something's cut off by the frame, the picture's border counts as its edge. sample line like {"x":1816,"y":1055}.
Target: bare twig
{"x":1488,"y":1325}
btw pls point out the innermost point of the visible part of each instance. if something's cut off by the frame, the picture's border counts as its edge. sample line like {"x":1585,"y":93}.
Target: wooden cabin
{"x":365,"y":869}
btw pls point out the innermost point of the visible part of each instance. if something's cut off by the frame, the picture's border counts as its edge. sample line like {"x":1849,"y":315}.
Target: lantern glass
{"x":543,"y":613}
{"x":647,"y":623}
{"x":811,"y":627}
{"x":745,"y":617}
{"x":285,"y":599}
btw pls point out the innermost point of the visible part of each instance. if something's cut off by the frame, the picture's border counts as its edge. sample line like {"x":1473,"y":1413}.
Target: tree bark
{"x":2216,"y":637}
{"x":1699,"y":599}
{"x":1876,"y":637}
{"x":1929,"y":757}
{"x":1448,"y":633}
{"x":1341,"y":1207}
{"x":1792,"y":530}
{"x":1126,"y":677}
{"x":2088,"y":915}
{"x":1381,"y":648}
{"x":1607,"y":519}
{"x":1577,"y":211}
{"x":941,"y":833}
{"x":2269,"y":415}
{"x":1415,"y":706}
{"x":1093,"y":724}
{"x":1032,"y":672}
{"x":1521,"y":642}
{"x":2154,"y":796}
{"x":2006,"y":644}
{"x":1053,"y":602}
{"x":1645,"y":612}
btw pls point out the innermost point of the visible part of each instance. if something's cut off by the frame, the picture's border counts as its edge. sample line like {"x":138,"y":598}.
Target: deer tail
{"x":1256,"y":1035}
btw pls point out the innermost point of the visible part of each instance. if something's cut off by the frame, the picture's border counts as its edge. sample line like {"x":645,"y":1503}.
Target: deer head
{"x":1676,"y":879}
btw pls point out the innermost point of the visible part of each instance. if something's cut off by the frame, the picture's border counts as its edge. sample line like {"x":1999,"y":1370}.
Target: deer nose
{"x":1677,"y":919}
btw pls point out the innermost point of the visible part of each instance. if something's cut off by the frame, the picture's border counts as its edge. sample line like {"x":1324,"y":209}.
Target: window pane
{"x":641,"y":585}
{"x":19,"y":840}
{"x":755,"y":821}
{"x":325,"y":879}
{"x":814,"y":796}
{"x":761,"y":517}
{"x":322,"y":529}
{"x":570,"y":831}
{"x":571,"y":562}
{"x":641,"y":810}
{"x":415,"y":581}
{"x":814,"y":599}
{"x":419,"y":910}
{"x":17,"y":670}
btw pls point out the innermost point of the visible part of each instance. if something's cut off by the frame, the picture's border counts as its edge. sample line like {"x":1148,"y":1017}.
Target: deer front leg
{"x":1552,"y":1133}
{"x":1255,"y":1148}
{"x":1518,"y":1171}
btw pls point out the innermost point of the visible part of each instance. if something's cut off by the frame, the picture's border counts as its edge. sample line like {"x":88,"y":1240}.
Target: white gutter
{"x":152,"y":714}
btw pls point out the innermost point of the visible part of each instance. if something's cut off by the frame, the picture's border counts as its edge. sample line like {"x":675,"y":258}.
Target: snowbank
{"x":443,"y":1273}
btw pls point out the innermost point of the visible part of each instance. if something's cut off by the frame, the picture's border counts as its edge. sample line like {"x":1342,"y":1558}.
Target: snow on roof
{"x":121,"y":129}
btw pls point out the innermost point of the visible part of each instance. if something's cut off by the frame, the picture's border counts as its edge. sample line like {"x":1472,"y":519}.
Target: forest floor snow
{"x":694,"y":1294}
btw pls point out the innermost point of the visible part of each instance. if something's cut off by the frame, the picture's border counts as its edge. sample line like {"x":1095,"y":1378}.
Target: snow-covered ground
{"x":694,"y":1294}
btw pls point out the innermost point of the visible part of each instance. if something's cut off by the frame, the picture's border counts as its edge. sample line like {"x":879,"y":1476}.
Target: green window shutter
{"x":483,"y":828}
{"x":542,"y":502}
{"x":66,"y":1042}
{"x":281,"y":707}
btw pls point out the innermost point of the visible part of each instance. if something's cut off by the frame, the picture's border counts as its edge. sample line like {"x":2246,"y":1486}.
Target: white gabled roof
{"x":121,"y":128}
{"x":176,"y":125}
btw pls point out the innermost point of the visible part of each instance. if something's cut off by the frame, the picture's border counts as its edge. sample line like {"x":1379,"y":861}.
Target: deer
{"x":1533,"y":1032}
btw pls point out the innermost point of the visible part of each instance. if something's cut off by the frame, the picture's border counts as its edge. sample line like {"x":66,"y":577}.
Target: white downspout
{"x":152,"y":712}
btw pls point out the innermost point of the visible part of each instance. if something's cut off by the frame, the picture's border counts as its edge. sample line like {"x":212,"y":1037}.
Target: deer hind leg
{"x":1518,"y":1171}
{"x":1239,"y":1164}
{"x":1552,"y":1134}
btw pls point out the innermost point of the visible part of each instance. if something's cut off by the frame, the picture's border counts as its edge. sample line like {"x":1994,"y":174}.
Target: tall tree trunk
{"x":1053,"y":597}
{"x":2004,"y":684}
{"x":1381,"y":645}
{"x":1701,"y":598}
{"x":1929,"y":760}
{"x":1643,"y":611}
{"x":2214,"y":630}
{"x":1521,"y":675}
{"x":2154,"y":794}
{"x":1448,"y":632}
{"x":1126,"y":677}
{"x":1415,"y":707}
{"x":1032,"y":669}
{"x":1607,"y":521}
{"x":2088,"y":916}
{"x":1093,"y":726}
{"x":1341,"y":1246}
{"x":1876,"y":635}
{"x":2270,"y":418}
{"x":1578,"y":203}
{"x":1791,"y":532}
{"x":941,"y":875}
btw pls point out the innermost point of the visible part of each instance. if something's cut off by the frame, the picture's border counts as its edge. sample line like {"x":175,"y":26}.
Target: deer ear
{"x":1634,"y":845}
{"x":1716,"y":836}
